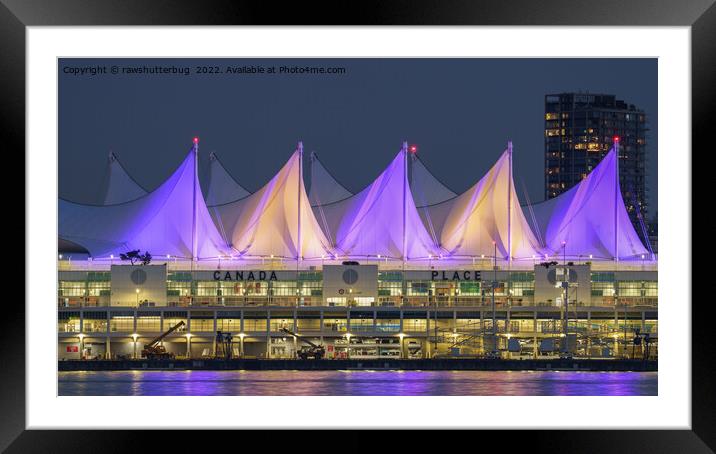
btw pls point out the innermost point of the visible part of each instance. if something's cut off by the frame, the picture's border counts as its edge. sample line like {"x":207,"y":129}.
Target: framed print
{"x":383,"y":219}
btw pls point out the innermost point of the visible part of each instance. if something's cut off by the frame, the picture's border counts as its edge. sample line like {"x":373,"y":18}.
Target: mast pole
{"x":616,"y":199}
{"x":509,"y":206}
{"x":300,"y":186}
{"x":404,"y":150}
{"x":194,"y":240}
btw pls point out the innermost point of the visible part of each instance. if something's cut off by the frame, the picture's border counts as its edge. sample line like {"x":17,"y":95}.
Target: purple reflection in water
{"x":357,"y":383}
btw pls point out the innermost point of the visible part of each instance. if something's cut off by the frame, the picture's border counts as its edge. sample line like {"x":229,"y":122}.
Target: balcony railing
{"x":421,"y":302}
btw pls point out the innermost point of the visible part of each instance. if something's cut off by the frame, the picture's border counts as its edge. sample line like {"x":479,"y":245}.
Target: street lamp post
{"x":494,"y":285}
{"x":565,"y":285}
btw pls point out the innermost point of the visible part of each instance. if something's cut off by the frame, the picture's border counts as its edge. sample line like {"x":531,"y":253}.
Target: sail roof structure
{"x":381,"y":220}
{"x":485,"y":217}
{"x":427,"y":189}
{"x":325,"y":189}
{"x":120,"y":187}
{"x":222,"y":187}
{"x":590,"y":219}
{"x":276,"y":220}
{"x":171,"y":220}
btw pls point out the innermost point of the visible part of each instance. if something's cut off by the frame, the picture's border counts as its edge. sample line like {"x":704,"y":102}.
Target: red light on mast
{"x":413,"y":148}
{"x":616,"y":139}
{"x":196,"y":140}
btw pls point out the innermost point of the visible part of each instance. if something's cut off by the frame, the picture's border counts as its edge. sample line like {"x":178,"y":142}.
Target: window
{"x":232,"y":325}
{"x":71,"y":288}
{"x":255,"y":325}
{"x":414,"y":325}
{"x":281,"y":323}
{"x":629,"y":289}
{"x":361,"y":324}
{"x":602,"y":289}
{"x":68,"y":322}
{"x":122,"y":323}
{"x":98,"y":288}
{"x":149,"y":323}
{"x":202,"y":324}
{"x":335,"y":324}
{"x":308,"y":324}
{"x":94,"y":322}
{"x":388,"y":325}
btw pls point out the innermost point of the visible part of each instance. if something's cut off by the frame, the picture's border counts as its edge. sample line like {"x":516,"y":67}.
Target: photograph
{"x":375,"y":226}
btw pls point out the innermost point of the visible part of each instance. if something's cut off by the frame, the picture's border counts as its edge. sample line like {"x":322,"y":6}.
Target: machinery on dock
{"x":307,"y":351}
{"x":154,"y":350}
{"x":223,"y":346}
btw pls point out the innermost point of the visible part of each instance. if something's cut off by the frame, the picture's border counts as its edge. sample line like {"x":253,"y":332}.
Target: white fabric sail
{"x":120,"y":187}
{"x":222,"y":188}
{"x":171,"y":220}
{"x":590,"y":219}
{"x":324,"y":188}
{"x":276,"y":220}
{"x":486,"y":216}
{"x":381,"y":220}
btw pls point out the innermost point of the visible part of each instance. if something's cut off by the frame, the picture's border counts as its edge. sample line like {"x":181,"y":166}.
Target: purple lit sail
{"x":590,"y":218}
{"x":381,"y":220}
{"x":161,"y":222}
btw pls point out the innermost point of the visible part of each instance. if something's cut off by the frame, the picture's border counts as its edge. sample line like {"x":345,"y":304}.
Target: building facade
{"x":358,"y":311}
{"x":579,"y":131}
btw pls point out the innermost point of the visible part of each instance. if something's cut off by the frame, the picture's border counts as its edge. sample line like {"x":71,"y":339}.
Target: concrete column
{"x":108,"y":352}
{"x":589,"y":334}
{"x":241,"y":346}
{"x":268,"y":334}
{"x":188,"y":345}
{"x":508,"y":318}
{"x":534,"y":335}
{"x":213,"y":344}
{"x":428,"y":344}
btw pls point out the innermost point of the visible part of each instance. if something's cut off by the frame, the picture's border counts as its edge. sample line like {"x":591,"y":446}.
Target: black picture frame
{"x":700,"y":15}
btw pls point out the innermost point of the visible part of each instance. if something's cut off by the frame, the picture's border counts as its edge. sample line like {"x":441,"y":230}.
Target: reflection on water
{"x":357,"y":383}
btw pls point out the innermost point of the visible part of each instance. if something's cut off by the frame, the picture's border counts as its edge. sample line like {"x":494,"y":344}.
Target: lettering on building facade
{"x":455,"y":276}
{"x":245,"y":276}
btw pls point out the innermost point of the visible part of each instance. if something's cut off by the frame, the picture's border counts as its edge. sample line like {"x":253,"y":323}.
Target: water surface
{"x":357,"y":383}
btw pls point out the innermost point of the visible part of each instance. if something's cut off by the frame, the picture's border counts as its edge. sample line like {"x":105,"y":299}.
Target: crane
{"x":307,"y":351}
{"x":223,"y":344}
{"x":154,"y":350}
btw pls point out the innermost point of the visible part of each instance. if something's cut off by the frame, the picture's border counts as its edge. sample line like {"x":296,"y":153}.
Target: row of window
{"x":341,"y":325}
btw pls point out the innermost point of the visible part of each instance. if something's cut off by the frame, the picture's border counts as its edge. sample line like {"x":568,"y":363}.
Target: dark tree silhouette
{"x":145,"y":258}
{"x":134,"y":256}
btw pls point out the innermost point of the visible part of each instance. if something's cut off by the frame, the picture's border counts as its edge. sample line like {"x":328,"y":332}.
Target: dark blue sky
{"x":460,"y":112}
